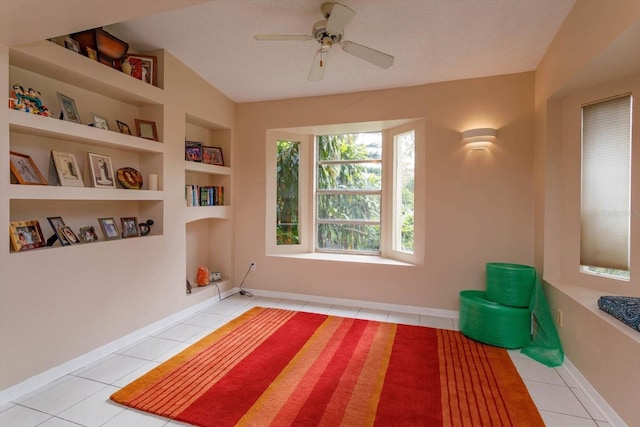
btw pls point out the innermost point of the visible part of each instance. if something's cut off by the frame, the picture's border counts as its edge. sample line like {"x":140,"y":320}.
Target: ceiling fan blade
{"x":372,"y":56}
{"x":281,"y":37}
{"x":340,"y":16}
{"x":319,"y":64}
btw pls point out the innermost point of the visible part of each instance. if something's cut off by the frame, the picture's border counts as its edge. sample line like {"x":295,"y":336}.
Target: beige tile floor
{"x":82,"y":397}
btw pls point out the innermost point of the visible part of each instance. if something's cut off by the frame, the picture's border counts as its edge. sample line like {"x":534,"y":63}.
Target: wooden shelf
{"x":49,"y":192}
{"x":33,"y":124}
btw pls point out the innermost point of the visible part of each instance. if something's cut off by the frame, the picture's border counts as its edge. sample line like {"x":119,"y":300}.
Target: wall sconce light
{"x":479,"y":139}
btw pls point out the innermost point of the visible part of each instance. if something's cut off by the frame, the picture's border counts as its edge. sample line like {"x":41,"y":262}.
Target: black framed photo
{"x":57,"y":223}
{"x":109,"y":228}
{"x":193,"y":151}
{"x":130,"y":227}
{"x":123,"y":127}
{"x":69,"y":235}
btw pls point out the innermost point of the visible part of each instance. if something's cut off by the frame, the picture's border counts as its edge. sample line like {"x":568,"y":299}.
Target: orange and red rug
{"x":281,"y":368}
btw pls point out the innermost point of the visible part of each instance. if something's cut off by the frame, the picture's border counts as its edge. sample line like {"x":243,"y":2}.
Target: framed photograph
{"x":130,"y":227}
{"x":100,"y":122}
{"x":25,"y":170}
{"x":101,"y":171}
{"x":57,"y":224}
{"x":88,"y":234}
{"x":69,"y":235}
{"x":143,"y":67}
{"x":212,"y":156}
{"x":69,"y":110}
{"x":123,"y":127}
{"x":193,"y":151}
{"x":72,"y":44}
{"x":109,"y":228}
{"x":146,"y":129}
{"x":67,"y":169}
{"x":25,"y":235}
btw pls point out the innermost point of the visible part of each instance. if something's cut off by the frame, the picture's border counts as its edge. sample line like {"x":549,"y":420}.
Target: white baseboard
{"x":356,"y":303}
{"x":66,"y":368}
{"x":607,"y":411}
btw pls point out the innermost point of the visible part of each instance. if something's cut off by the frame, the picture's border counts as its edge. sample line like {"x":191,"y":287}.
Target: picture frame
{"x":212,"y":156}
{"x":101,"y":171}
{"x":123,"y":127}
{"x":193,"y":151}
{"x":57,"y":223}
{"x":130,"y":227}
{"x":72,"y":44}
{"x":67,"y":169}
{"x":69,"y":235}
{"x":144,"y":67}
{"x":87,"y":234}
{"x":109,"y":228}
{"x":100,"y":122}
{"x":25,"y":170}
{"x":69,"y":109}
{"x":146,"y":129}
{"x":26,"y":235}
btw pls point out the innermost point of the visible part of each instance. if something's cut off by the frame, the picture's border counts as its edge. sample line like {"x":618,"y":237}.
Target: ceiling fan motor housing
{"x":319,"y":32}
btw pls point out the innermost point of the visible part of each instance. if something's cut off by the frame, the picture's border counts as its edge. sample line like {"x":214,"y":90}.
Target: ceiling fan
{"x":329,"y":32}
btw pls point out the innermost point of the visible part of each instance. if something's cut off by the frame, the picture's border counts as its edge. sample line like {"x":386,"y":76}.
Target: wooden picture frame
{"x":87,"y":234}
{"x":100,"y":122}
{"x":67,"y":169}
{"x":130,"y":227}
{"x":56,"y":223}
{"x":144,"y":67}
{"x":101,"y":171}
{"x":123,"y":127}
{"x":212,"y":156}
{"x":146,"y":129}
{"x":26,"y":235}
{"x":109,"y":228}
{"x":69,"y":109}
{"x":25,"y":170}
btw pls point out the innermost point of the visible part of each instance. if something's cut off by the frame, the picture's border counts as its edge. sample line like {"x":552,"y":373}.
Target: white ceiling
{"x":431,"y":40}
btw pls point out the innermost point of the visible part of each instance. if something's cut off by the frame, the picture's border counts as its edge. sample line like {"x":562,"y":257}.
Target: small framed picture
{"x":109,"y":228}
{"x":69,"y":235}
{"x":57,"y":224}
{"x":25,"y":170}
{"x":146,"y":129}
{"x":72,"y":44}
{"x":193,"y":151}
{"x":130,"y":227}
{"x":123,"y":127}
{"x":100,"y":122}
{"x":67,"y":169}
{"x":101,"y":171}
{"x":143,"y":67}
{"x":87,"y":234}
{"x":69,"y":109}
{"x":25,"y":235}
{"x":212,"y":156}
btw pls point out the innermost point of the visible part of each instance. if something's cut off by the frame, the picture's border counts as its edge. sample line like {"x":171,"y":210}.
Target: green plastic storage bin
{"x":510,"y":284}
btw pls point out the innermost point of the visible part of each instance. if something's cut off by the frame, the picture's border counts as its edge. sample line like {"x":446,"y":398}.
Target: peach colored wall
{"x":594,"y":55}
{"x":479,"y":204}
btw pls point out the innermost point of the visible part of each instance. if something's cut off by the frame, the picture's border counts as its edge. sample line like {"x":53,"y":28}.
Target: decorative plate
{"x":129,"y":178}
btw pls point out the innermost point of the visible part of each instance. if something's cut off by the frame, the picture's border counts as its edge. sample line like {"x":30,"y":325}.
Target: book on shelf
{"x":210,"y":195}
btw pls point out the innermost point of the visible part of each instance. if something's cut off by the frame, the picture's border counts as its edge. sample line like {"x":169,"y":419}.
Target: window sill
{"x":361,"y":259}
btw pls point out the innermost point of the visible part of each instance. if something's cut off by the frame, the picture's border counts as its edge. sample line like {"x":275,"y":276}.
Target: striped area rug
{"x":280,"y":368}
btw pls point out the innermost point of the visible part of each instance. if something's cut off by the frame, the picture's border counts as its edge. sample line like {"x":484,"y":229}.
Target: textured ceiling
{"x":432,"y":41}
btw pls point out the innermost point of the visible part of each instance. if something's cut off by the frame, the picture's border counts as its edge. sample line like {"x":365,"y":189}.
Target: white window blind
{"x":606,"y":180}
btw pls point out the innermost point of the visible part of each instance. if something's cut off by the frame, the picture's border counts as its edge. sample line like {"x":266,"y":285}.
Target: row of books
{"x":197,"y":195}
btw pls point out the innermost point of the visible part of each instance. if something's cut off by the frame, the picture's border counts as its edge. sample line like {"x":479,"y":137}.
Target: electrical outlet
{"x":559,"y":318}
{"x":253,"y":266}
